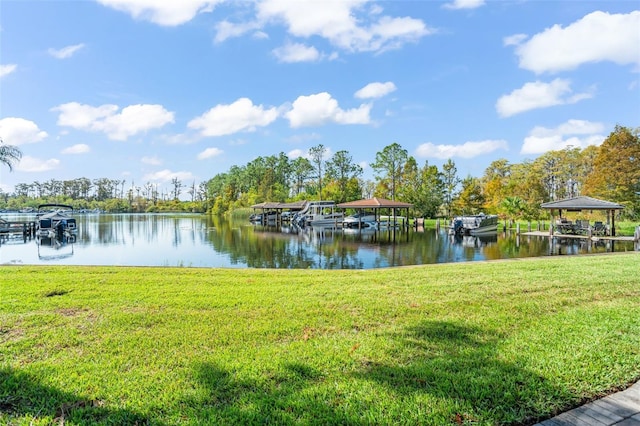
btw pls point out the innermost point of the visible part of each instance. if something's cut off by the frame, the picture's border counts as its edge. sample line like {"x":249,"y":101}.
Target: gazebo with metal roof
{"x":577,"y":204}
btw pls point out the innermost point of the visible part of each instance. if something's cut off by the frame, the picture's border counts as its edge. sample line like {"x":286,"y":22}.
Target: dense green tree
{"x":317,"y":154}
{"x":526,"y":182}
{"x":423,"y":187}
{"x":302,"y":170}
{"x":470,"y":200}
{"x":389,"y":165}
{"x":451,"y":181}
{"x":341,"y":169}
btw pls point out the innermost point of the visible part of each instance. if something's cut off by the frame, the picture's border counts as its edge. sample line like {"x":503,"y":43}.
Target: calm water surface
{"x":200,"y":241}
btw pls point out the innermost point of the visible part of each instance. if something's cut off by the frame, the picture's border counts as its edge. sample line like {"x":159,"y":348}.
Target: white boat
{"x":333,"y":219}
{"x":479,"y":224}
{"x":322,"y":213}
{"x":56,"y":223}
{"x":359,"y":220}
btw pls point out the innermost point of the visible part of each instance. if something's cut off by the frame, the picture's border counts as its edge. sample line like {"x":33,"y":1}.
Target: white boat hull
{"x":331,"y":220}
{"x":474,"y":225}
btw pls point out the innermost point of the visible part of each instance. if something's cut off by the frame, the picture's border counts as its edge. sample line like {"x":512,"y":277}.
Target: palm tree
{"x":513,"y":206}
{"x":9,"y":154}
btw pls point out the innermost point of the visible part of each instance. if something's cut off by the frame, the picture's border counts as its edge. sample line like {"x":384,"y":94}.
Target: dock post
{"x":518,"y":228}
{"x":636,"y":235}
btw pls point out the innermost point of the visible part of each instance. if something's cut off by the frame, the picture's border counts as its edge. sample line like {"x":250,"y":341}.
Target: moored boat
{"x":479,"y":224}
{"x":322,"y":213}
{"x":359,"y":220}
{"x":55,"y":223}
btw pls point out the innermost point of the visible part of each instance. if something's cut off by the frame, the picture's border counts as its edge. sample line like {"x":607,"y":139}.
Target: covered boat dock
{"x":562,"y":225}
{"x":376,"y":204}
{"x":277,"y":209}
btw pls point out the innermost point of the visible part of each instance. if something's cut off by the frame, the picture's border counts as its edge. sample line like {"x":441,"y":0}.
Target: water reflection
{"x":200,"y":241}
{"x":55,"y":248}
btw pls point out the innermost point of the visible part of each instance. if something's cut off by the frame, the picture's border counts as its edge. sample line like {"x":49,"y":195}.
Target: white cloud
{"x":466,"y":150}
{"x":85,"y":117}
{"x":135,"y":119}
{"x":296,"y":153}
{"x":117,"y":126}
{"x":18,"y":131}
{"x":464,"y":4}
{"x":297,"y":52}
{"x":34,"y":165}
{"x":7,"y":69}
{"x":152,"y":161}
{"x":65,"y":52}
{"x":576,"y":133}
{"x":166,"y":13}
{"x":538,"y":95}
{"x":597,"y":37}
{"x":345,"y":24}
{"x":375,"y":90}
{"x":514,"y":40}
{"x":241,"y":115}
{"x":226,"y":30}
{"x":167,"y":175}
{"x":321,"y":108}
{"x":80,"y":148}
{"x":209,"y":153}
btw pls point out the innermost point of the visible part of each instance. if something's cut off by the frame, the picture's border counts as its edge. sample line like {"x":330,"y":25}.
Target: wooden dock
{"x":578,"y":236}
{"x":17,"y":229}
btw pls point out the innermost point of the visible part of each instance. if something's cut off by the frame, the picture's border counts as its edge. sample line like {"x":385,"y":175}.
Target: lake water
{"x":200,"y":241}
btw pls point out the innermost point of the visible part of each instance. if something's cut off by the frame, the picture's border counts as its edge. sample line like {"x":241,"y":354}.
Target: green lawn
{"x":490,"y":343}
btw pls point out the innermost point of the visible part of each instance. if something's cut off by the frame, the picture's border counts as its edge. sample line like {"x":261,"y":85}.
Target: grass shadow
{"x":228,"y":398}
{"x":462,"y":364}
{"x":23,"y":396}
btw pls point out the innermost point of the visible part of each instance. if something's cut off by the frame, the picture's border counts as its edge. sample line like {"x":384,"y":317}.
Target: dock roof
{"x":375,"y":203}
{"x":582,"y":203}
{"x":298,"y":205}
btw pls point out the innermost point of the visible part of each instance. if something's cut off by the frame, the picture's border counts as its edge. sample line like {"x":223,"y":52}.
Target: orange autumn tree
{"x":616,"y":170}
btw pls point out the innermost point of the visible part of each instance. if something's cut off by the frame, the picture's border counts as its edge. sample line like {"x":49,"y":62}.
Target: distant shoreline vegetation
{"x":610,"y":171}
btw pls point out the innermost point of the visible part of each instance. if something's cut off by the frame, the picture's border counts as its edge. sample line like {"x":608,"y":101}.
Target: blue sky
{"x":146,"y":90}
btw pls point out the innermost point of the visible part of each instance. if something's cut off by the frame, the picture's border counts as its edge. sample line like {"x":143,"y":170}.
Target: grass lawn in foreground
{"x":489,"y":343}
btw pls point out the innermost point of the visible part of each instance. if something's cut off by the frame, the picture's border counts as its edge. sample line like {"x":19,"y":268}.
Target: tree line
{"x":610,"y":171}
